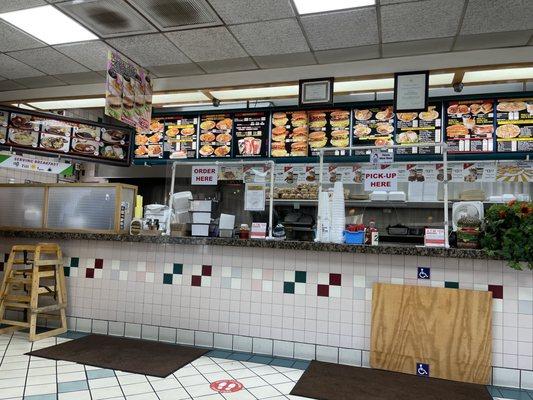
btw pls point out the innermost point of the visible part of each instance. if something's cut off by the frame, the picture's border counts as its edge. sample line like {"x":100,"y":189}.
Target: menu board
{"x":329,"y":128}
{"x":520,"y":171}
{"x":470,"y":126}
{"x":58,"y":136}
{"x":514,"y":130}
{"x":290,"y":134}
{"x":215,"y":135}
{"x":181,"y":137}
{"x":150,"y":144}
{"x":372,"y":126}
{"x":423,"y":127}
{"x":251,"y":134}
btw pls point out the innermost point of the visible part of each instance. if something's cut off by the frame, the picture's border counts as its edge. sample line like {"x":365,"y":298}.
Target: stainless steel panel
{"x":21,"y":207}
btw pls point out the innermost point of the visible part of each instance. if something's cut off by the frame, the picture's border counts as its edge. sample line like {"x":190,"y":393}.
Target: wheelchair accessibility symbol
{"x":422,"y":369}
{"x":424,"y":273}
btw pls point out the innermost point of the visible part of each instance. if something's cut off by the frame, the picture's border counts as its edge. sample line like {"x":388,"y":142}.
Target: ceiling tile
{"x":348,"y":54}
{"x":271,"y":37}
{"x":497,"y":15}
{"x":234,"y":64}
{"x":207,"y":44}
{"x":420,"y":20}
{"x":91,"y":54}
{"x":491,"y":40}
{"x":342,"y":29}
{"x":81,"y":78}
{"x":153,"y":49}
{"x":13,"y":5}
{"x":383,"y":2}
{"x":241,"y":11}
{"x":426,"y":46}
{"x":40,"y":82}
{"x":281,"y":61}
{"x":10,"y":85}
{"x":48,"y":60}
{"x":13,"y":69}
{"x":14,"y":39}
{"x":176,"y":70}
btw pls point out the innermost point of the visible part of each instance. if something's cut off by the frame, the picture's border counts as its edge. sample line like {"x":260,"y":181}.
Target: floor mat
{"x":129,"y":355}
{"x":325,"y":381}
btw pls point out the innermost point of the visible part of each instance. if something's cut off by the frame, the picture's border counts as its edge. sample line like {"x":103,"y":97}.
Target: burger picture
{"x":278,"y":149}
{"x":317,"y":120}
{"x":317,"y":139}
{"x":340,"y":119}
{"x":299,"y":134}
{"x":456,"y":131}
{"x":299,"y":149}
{"x":339,"y":138}
{"x":279,"y":133}
{"x":299,"y":118}
{"x":279,"y":119}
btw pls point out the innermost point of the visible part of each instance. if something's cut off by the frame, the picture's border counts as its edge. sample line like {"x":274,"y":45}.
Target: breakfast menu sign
{"x":128,"y":92}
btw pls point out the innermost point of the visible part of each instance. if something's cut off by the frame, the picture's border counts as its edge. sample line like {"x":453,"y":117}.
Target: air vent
{"x":177,"y":14}
{"x":108,"y":18}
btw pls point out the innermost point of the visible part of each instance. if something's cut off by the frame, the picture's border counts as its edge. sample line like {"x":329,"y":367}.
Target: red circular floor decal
{"x":226,"y":386}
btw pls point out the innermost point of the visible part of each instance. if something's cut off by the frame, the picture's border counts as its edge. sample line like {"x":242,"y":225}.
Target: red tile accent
{"x":89,"y":273}
{"x":323,"y":290}
{"x":497,"y":291}
{"x":206,"y":270}
{"x":196,"y":280}
{"x":99,"y":263}
{"x":335,"y":279}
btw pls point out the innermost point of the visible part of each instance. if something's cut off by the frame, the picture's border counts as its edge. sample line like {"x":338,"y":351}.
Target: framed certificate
{"x":411,"y":91}
{"x":316,"y":91}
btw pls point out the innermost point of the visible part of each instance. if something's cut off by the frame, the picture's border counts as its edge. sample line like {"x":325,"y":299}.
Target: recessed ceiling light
{"x":179,"y":97}
{"x":256,"y":93}
{"x":48,"y":24}
{"x":441,"y":79}
{"x":68,"y":103}
{"x":316,"y":6}
{"x":491,"y":75}
{"x":364,"y":85}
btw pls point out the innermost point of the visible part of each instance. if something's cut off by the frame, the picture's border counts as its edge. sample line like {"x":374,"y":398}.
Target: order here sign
{"x":381,"y":179}
{"x":204,"y":175}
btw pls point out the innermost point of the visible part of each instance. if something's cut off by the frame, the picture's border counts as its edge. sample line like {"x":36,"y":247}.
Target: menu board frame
{"x":73,"y":122}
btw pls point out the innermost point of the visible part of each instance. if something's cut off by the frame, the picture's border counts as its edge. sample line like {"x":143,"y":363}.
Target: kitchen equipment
{"x":473,"y":209}
{"x":157,"y":215}
{"x":398,"y":230}
{"x":279,"y":232}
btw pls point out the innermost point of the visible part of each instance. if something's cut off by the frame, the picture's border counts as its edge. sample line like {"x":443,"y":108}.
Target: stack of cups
{"x":324,"y":219}
{"x":338,"y":216}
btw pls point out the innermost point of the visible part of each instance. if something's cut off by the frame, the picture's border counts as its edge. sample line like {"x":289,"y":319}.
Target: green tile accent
{"x":178,"y":269}
{"x":451,"y":285}
{"x":74,"y":262}
{"x":66,"y":270}
{"x":300,"y":276}
{"x":288,"y":287}
{"x":167,"y":279}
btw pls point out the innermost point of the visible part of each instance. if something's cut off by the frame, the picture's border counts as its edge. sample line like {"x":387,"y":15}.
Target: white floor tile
{"x":40,"y":380}
{"x":144,"y":396}
{"x":11,"y":382}
{"x":137,"y":388}
{"x":242,"y":373}
{"x":264,"y":392}
{"x":193,"y":380}
{"x":131,"y":378}
{"x":72,"y":376}
{"x":8,"y":393}
{"x":240,"y":395}
{"x":173,"y":394}
{"x":106,"y":392}
{"x":252,"y":382}
{"x":103,"y":382}
{"x":81,"y":395}
{"x":199,"y":390}
{"x":40,"y":389}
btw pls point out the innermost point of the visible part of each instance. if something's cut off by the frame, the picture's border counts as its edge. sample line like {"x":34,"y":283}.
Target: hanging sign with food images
{"x":128,"y":92}
{"x":470,"y":126}
{"x":290,"y":134}
{"x":215,"y":136}
{"x":251,"y":134}
{"x":422,"y":127}
{"x":373,"y":126}
{"x":514,"y":130}
{"x":329,"y":128}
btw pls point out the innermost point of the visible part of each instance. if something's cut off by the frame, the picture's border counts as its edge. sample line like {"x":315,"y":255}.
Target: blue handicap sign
{"x":424,"y":273}
{"x":422,"y":369}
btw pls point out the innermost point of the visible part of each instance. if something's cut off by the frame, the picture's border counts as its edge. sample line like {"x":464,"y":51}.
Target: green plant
{"x":509,"y":233}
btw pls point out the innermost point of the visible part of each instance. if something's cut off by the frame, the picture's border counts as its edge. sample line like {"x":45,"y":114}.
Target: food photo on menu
{"x":373,"y":126}
{"x":86,"y":140}
{"x":422,"y":127}
{"x":181,"y":140}
{"x":328,"y":128}
{"x":215,"y":138}
{"x":23,"y":130}
{"x":114,"y":144}
{"x":514,"y":130}
{"x":290,"y":134}
{"x":150,"y":144}
{"x":251,"y":132}
{"x":470,"y":126}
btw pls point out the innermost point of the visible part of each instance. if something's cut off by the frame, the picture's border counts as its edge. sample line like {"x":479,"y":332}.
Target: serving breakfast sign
{"x":33,"y":165}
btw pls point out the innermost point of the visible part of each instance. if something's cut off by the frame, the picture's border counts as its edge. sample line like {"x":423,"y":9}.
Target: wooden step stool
{"x":33,"y":273}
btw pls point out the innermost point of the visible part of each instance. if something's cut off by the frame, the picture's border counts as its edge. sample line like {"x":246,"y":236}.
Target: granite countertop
{"x":394,"y":249}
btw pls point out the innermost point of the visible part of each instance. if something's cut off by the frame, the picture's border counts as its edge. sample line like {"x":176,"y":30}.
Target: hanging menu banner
{"x":470,"y":126}
{"x":423,"y":127}
{"x":215,"y":135}
{"x":329,"y":128}
{"x":128,"y":92}
{"x":373,"y":126}
{"x":251,"y":134}
{"x":515,"y":125}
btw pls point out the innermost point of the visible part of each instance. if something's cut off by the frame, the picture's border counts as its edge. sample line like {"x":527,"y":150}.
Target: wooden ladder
{"x":33,"y":273}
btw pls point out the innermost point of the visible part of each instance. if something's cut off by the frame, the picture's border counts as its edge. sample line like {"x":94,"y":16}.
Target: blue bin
{"x":354,"y":237}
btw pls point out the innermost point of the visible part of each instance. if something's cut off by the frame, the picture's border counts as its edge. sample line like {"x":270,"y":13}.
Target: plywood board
{"x":448,"y":329}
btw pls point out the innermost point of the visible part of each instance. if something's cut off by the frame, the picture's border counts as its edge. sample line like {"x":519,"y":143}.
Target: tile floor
{"x":33,"y":378}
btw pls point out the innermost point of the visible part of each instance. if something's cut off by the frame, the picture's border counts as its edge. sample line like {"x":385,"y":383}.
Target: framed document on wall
{"x":411,"y":91}
{"x":316,"y":91}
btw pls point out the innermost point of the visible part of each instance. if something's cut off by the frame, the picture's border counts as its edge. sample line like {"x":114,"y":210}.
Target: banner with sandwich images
{"x":128,"y":92}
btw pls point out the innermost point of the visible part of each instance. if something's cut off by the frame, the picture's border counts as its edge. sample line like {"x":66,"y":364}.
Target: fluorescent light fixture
{"x":507,"y":74}
{"x":441,"y":79}
{"x":65,"y":103}
{"x":179,"y":97}
{"x":364,"y":85}
{"x":48,"y":24}
{"x":316,"y":6}
{"x":256,"y":93}
{"x":187,"y":105}
{"x":23,"y":106}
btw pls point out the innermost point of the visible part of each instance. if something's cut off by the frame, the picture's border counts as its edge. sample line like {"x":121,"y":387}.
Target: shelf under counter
{"x":381,"y":203}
